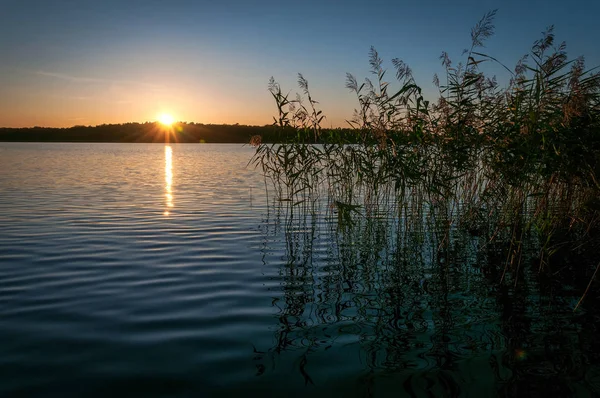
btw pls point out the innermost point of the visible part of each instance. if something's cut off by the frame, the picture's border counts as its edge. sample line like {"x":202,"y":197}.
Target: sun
{"x":166,"y":119}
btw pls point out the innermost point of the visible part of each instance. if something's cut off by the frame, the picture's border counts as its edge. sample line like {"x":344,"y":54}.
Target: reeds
{"x":519,"y":165}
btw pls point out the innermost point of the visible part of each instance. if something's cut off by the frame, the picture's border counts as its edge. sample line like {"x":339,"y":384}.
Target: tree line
{"x":149,"y":132}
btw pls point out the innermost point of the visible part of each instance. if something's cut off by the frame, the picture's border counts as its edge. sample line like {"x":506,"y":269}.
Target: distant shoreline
{"x":155,"y":132}
{"x":151,"y":132}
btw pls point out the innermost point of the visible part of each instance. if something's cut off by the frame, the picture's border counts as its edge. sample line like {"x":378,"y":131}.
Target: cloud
{"x":78,"y":79}
{"x":80,"y":98}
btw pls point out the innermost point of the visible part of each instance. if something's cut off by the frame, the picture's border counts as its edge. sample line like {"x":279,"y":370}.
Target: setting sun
{"x":166,"y":119}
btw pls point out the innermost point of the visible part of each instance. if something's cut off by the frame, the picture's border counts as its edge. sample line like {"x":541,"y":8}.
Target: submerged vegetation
{"x":518,"y":166}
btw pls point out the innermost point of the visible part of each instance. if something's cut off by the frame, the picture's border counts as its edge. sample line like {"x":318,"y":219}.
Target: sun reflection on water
{"x":168,"y":179}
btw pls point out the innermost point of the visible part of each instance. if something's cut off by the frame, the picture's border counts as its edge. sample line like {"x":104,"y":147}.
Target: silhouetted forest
{"x":147,"y":132}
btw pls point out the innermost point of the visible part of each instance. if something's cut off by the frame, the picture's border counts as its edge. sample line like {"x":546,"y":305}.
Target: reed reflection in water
{"x":168,"y":179}
{"x":417,"y":306}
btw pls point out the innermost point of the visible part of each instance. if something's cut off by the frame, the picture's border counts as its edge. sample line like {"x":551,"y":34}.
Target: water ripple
{"x":150,"y":271}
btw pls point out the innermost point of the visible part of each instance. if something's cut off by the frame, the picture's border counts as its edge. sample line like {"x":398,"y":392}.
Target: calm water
{"x":145,"y":270}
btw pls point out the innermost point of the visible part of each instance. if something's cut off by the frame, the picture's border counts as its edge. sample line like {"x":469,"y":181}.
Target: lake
{"x":153,"y":270}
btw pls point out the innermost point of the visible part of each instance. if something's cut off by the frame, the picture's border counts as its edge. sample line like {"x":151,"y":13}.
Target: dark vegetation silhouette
{"x":433,"y":234}
{"x":147,"y":132}
{"x":516,"y":166}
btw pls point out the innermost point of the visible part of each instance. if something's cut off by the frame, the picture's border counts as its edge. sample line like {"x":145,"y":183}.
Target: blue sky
{"x":67,"y":62}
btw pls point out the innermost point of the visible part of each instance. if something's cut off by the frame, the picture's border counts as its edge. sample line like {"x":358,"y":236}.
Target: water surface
{"x":145,"y":270}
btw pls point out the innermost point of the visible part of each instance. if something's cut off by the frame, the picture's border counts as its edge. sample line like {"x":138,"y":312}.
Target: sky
{"x":80,"y":62}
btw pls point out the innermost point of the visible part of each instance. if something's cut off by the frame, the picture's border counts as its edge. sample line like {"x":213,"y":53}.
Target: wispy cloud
{"x":80,"y":79}
{"x":67,"y":97}
{"x":80,"y":98}
{"x":109,"y":100}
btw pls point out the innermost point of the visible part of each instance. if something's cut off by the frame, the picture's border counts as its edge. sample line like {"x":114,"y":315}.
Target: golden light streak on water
{"x":168,"y":179}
